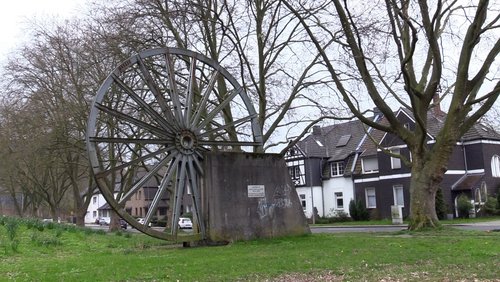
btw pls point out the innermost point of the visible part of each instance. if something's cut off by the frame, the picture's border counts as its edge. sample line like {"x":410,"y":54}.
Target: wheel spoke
{"x":161,"y":100}
{"x":193,"y":182}
{"x":179,"y":192}
{"x":190,"y":90}
{"x":122,"y":116}
{"x":204,"y":99}
{"x":219,"y":108}
{"x":198,"y":166}
{"x":130,"y":140}
{"x":146,"y":177}
{"x":132,"y":162}
{"x":166,"y":124}
{"x":174,"y":94}
{"x":228,"y":125}
{"x":161,"y":190}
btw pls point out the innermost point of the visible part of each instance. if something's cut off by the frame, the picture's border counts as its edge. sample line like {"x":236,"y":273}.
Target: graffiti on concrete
{"x":280,"y":200}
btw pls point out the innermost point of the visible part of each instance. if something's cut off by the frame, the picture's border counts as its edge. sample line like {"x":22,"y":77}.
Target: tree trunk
{"x":422,"y":201}
{"x":80,"y":217}
{"x":428,"y":168}
{"x":114,"y":223}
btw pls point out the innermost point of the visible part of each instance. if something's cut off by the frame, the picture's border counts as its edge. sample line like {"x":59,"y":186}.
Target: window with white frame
{"x":339,"y":200}
{"x":369,"y":165}
{"x":94,"y":199}
{"x":294,"y":171}
{"x":337,"y":168}
{"x":399,"y":199}
{"x":395,"y":162}
{"x":495,"y":166}
{"x":302,"y":198}
{"x":371,"y":199}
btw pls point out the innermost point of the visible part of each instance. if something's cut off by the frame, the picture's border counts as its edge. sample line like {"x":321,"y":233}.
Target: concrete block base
{"x":249,"y":196}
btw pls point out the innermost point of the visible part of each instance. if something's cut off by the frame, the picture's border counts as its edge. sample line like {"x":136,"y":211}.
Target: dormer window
{"x":343,"y":140}
{"x":337,"y":169}
{"x":369,"y":165}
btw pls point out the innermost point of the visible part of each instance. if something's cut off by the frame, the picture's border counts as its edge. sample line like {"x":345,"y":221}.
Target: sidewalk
{"x":484,"y":223}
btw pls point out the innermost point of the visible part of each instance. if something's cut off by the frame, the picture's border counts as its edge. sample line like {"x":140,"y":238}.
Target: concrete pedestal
{"x":248,"y":196}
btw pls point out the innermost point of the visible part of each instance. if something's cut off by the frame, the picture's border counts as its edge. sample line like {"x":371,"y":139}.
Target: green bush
{"x":162,"y":221}
{"x":42,"y":240}
{"x":336,"y":216}
{"x":50,"y":225}
{"x":12,"y":225}
{"x":498,"y":199}
{"x":358,"y":211}
{"x":463,"y":206}
{"x":490,"y":207}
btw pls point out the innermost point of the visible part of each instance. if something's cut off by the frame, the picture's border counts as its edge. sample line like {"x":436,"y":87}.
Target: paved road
{"x":483,"y":226}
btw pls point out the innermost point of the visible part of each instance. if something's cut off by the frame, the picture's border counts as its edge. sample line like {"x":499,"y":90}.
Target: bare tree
{"x":260,"y":42}
{"x":417,"y":38}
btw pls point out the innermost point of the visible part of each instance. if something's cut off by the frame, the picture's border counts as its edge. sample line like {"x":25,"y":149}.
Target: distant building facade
{"x":337,"y":163}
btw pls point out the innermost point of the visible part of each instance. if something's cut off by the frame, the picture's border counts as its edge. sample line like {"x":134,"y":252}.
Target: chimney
{"x":377,"y":112}
{"x":316,"y":130}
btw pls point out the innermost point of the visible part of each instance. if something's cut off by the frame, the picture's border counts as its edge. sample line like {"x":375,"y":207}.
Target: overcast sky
{"x":15,"y":14}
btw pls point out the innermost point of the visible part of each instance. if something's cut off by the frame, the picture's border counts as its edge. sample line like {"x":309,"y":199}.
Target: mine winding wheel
{"x":150,"y":124}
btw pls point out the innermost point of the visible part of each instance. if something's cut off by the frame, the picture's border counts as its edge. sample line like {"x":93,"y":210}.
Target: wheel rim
{"x":150,"y":123}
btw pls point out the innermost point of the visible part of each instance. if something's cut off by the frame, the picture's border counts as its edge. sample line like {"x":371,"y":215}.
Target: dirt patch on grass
{"x":327,"y":276}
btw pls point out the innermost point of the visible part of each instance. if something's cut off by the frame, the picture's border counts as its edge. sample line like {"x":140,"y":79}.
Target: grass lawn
{"x":60,"y":253}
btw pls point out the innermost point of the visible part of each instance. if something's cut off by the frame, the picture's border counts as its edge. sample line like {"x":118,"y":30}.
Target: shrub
{"x":50,"y":225}
{"x":463,"y":206}
{"x":12,"y":225}
{"x":336,"y":216}
{"x":100,"y":232}
{"x":441,"y":206}
{"x":45,"y":240}
{"x":498,"y":199}
{"x":358,"y":211}
{"x":162,"y":221}
{"x":490,"y":207}
{"x":341,"y":216}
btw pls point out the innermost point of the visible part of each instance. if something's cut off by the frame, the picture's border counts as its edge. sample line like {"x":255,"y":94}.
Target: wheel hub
{"x":186,"y":142}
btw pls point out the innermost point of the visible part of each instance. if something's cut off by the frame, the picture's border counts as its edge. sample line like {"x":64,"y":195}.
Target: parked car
{"x":185,"y":223}
{"x":104,"y":221}
{"x":142,"y":221}
{"x":123,"y":224}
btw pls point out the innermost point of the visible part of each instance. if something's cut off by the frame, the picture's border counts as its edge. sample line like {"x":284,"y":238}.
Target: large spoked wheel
{"x":151,"y":122}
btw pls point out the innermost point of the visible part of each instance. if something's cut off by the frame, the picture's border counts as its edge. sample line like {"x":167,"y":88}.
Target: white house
{"x":93,"y":211}
{"x":322,"y":164}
